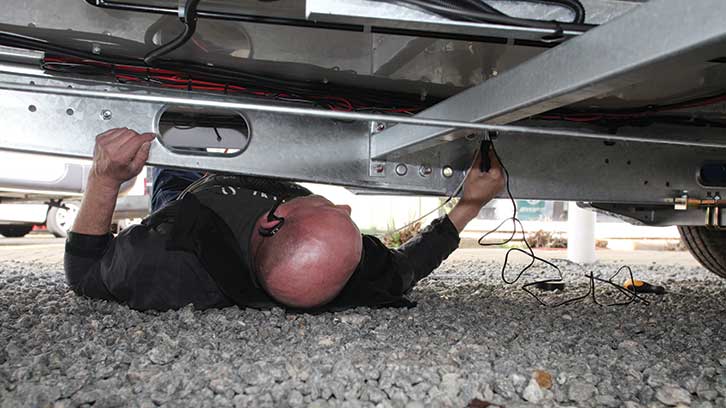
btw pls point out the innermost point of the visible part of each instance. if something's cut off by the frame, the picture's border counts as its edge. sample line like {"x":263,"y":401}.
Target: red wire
{"x":178,"y":80}
{"x":181,"y":81}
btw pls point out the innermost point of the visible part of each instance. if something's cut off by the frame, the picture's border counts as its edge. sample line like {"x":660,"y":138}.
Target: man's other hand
{"x":481,"y":187}
{"x":119,"y":155}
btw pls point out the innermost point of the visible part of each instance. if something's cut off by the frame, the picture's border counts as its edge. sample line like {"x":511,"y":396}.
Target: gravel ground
{"x":471,"y":338}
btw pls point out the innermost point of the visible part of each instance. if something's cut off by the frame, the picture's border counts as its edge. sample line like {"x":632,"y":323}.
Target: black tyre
{"x":60,"y":220}
{"x":708,"y":246}
{"x":15,"y":231}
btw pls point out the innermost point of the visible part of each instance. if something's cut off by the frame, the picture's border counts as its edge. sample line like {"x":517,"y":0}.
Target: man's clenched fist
{"x":480,"y":187}
{"x":119,"y":155}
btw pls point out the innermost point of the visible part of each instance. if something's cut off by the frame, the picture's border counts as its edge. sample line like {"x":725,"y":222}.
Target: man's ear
{"x":266,"y":224}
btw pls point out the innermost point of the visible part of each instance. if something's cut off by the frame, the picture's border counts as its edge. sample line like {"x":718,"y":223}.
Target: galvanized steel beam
{"x":658,"y":38}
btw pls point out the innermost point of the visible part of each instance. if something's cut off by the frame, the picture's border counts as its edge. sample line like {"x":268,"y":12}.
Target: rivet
{"x":106,"y":114}
{"x":447,"y":171}
{"x":377,"y":127}
{"x":401,"y":169}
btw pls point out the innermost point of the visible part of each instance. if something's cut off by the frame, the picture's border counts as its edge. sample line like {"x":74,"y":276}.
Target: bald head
{"x":313,"y":255}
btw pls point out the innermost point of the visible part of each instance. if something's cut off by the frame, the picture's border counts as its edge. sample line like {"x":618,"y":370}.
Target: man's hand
{"x":119,"y":156}
{"x":479,"y":188}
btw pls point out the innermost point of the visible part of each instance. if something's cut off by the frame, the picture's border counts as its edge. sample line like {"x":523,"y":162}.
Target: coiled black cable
{"x":529,"y":252}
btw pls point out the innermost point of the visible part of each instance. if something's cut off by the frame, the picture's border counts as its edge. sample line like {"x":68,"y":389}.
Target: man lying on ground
{"x":221,"y":240}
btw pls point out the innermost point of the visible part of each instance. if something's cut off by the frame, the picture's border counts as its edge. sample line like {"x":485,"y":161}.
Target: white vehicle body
{"x":46,"y":190}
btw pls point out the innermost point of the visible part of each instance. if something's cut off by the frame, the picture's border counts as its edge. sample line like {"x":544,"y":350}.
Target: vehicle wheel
{"x":707,"y":245}
{"x":60,"y":220}
{"x":15,"y":231}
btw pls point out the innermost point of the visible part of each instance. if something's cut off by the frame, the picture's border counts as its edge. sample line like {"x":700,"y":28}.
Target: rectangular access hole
{"x":203,"y":131}
{"x":713,"y":174}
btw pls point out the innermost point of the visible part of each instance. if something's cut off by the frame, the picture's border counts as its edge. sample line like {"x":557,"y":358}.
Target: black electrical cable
{"x":320,"y":91}
{"x":459,"y":11}
{"x":189,"y":19}
{"x":516,"y":223}
{"x":575,"y":6}
{"x":21,"y":41}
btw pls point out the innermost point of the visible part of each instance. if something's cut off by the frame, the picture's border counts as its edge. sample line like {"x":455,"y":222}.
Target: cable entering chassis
{"x":625,"y":112}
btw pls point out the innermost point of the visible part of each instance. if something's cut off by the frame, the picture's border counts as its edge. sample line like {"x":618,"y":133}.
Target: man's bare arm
{"x":119,"y":155}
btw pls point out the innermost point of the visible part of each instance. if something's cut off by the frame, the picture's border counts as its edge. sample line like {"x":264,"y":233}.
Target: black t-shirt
{"x":196,"y":251}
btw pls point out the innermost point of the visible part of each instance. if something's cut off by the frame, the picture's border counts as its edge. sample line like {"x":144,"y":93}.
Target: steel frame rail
{"x":218,"y":103}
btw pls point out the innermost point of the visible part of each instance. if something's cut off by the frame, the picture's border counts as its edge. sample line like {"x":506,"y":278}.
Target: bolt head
{"x":425,"y":170}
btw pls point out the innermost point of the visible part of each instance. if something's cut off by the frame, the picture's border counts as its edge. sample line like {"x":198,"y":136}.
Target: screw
{"x":425,"y":170}
{"x":96,"y":49}
{"x":401,"y":169}
{"x":379,"y":127}
{"x":106,"y":114}
{"x":447,"y":171}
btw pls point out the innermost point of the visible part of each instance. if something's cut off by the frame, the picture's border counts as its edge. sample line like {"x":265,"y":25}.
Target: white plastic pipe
{"x":580,"y":234}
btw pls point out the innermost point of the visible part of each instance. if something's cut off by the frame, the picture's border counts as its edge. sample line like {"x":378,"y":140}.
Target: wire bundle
{"x":218,"y":82}
{"x":643,"y":116}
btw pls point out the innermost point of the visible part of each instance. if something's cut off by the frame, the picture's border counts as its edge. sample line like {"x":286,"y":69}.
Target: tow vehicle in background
{"x":618,"y":104}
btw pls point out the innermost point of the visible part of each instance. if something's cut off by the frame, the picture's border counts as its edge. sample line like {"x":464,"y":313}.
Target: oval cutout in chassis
{"x":203,"y":131}
{"x":713,"y":174}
